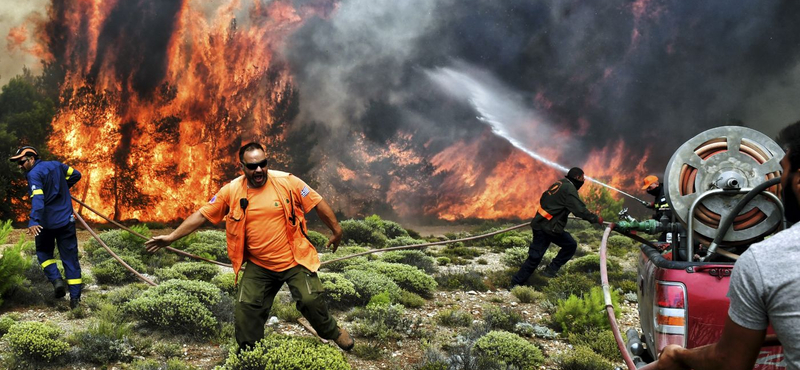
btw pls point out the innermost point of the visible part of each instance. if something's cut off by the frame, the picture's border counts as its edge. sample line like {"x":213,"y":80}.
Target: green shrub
{"x":526,"y":294}
{"x":406,"y":277}
{"x":393,"y":230}
{"x":511,"y":349}
{"x":360,"y":232}
{"x":453,"y":317}
{"x":514,"y":241}
{"x":343,"y":251}
{"x":119,"y":241}
{"x":120,"y":296}
{"x":590,"y":263}
{"x":368,"y":284}
{"x":564,"y":285}
{"x":13,"y":264}
{"x":414,"y":258}
{"x":225,"y":282}
{"x":317,"y":239}
{"x":442,"y":261}
{"x":367,"y":352}
{"x":589,"y":235}
{"x":109,"y":271}
{"x":285,"y":352}
{"x":411,"y":300}
{"x":626,"y":286}
{"x":501,"y":318}
{"x":5,"y":230}
{"x":582,"y":358}
{"x":105,"y":341}
{"x":576,"y":315}
{"x":340,"y":292}
{"x":286,"y":311}
{"x":6,"y":322}
{"x":178,"y":306}
{"x":36,"y":342}
{"x":207,"y":250}
{"x":188,"y":271}
{"x":168,"y":350}
{"x":600,"y":341}
{"x":171,"y":364}
{"x":459,"y":250}
{"x":403,"y":241}
{"x":379,"y":321}
{"x":620,"y":245}
{"x":467,"y":280}
{"x":514,"y":257}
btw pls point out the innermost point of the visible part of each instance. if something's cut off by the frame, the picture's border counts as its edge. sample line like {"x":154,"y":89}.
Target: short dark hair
{"x":574,"y":173}
{"x":249,"y":147}
{"x":789,"y":140}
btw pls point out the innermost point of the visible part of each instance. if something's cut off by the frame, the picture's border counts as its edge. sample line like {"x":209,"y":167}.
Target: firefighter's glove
{"x":649,"y":204}
{"x":600,"y":220}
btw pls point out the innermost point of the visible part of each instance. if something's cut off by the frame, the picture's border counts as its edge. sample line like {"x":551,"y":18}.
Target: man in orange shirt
{"x":264,"y":214}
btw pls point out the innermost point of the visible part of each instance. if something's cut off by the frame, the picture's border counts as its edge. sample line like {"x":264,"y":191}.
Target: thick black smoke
{"x":651,"y":72}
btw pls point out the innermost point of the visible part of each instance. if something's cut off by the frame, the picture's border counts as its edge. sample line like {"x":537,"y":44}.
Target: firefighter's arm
{"x":737,"y":349}
{"x":72,"y":175}
{"x":187,"y":227}
{"x":35,"y":184}
{"x":578,"y":208}
{"x":329,"y":218}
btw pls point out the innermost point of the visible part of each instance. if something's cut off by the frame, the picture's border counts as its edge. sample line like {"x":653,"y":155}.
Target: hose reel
{"x":728,"y":158}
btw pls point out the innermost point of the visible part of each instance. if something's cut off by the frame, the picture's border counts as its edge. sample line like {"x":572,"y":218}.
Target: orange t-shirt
{"x":265,"y":223}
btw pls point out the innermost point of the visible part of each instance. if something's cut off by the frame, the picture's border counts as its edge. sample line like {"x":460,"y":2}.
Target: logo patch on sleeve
{"x":33,"y":187}
{"x":305,"y":191}
{"x":214,"y":199}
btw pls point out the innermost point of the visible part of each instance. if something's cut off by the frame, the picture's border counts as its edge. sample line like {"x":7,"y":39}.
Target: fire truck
{"x":722,"y":187}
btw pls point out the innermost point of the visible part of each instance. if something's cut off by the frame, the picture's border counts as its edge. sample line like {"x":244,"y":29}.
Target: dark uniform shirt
{"x":556,"y":204}
{"x":660,"y":204}
{"x":49,"y":183}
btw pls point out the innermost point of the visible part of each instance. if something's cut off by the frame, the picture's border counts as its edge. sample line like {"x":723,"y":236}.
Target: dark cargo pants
{"x":67,"y":242}
{"x":257,"y":289}
{"x":539,"y":245}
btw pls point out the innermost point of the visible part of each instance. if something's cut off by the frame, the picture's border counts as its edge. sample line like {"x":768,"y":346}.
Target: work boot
{"x":344,"y":340}
{"x":549,"y":272}
{"x":60,"y":287}
{"x":74,"y":302}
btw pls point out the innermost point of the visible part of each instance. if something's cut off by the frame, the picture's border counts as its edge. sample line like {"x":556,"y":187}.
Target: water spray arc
{"x":504,"y":112}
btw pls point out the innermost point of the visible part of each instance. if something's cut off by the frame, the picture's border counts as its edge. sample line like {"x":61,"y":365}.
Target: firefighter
{"x":555,"y":205}
{"x":653,"y":186}
{"x":52,"y":221}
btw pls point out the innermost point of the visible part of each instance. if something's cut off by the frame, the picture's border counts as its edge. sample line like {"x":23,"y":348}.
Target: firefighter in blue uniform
{"x":52,"y":222}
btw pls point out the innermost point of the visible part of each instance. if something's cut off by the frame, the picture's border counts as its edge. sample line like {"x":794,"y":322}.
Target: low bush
{"x":464,"y":280}
{"x":178,"y":306}
{"x":590,"y":263}
{"x":410,"y":300}
{"x":514,"y":241}
{"x":369,"y":352}
{"x":36,"y":342}
{"x":442,"y":261}
{"x":171,"y":364}
{"x":526,"y":294}
{"x":576,"y":315}
{"x":188,"y":271}
{"x":317,"y":239}
{"x":360,"y":232}
{"x":104,"y":341}
{"x":582,"y":358}
{"x":600,"y":341}
{"x":564,"y":285}
{"x":120,"y":241}
{"x":414,"y":258}
{"x":109,"y":271}
{"x":225,"y":283}
{"x":403,"y":241}
{"x":7,"y":321}
{"x":501,"y":318}
{"x":285,"y":309}
{"x":511,"y":349}
{"x":379,"y":321}
{"x":286,"y":352}
{"x":368,"y":284}
{"x":340,"y":292}
{"x":13,"y":264}
{"x":459,"y":250}
{"x":453,"y":317}
{"x":208,"y":250}
{"x":405,"y":276}
{"x":589,"y":236}
{"x":619,"y":245}
{"x":343,"y":251}
{"x":514,"y":257}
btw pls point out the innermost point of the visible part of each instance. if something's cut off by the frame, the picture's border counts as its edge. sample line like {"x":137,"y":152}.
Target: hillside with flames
{"x":413,"y":110}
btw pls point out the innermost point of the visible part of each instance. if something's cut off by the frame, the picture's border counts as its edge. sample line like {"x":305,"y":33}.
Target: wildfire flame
{"x":157,"y":96}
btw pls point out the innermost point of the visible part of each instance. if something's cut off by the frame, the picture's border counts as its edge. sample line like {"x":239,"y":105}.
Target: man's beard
{"x":791,"y":208}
